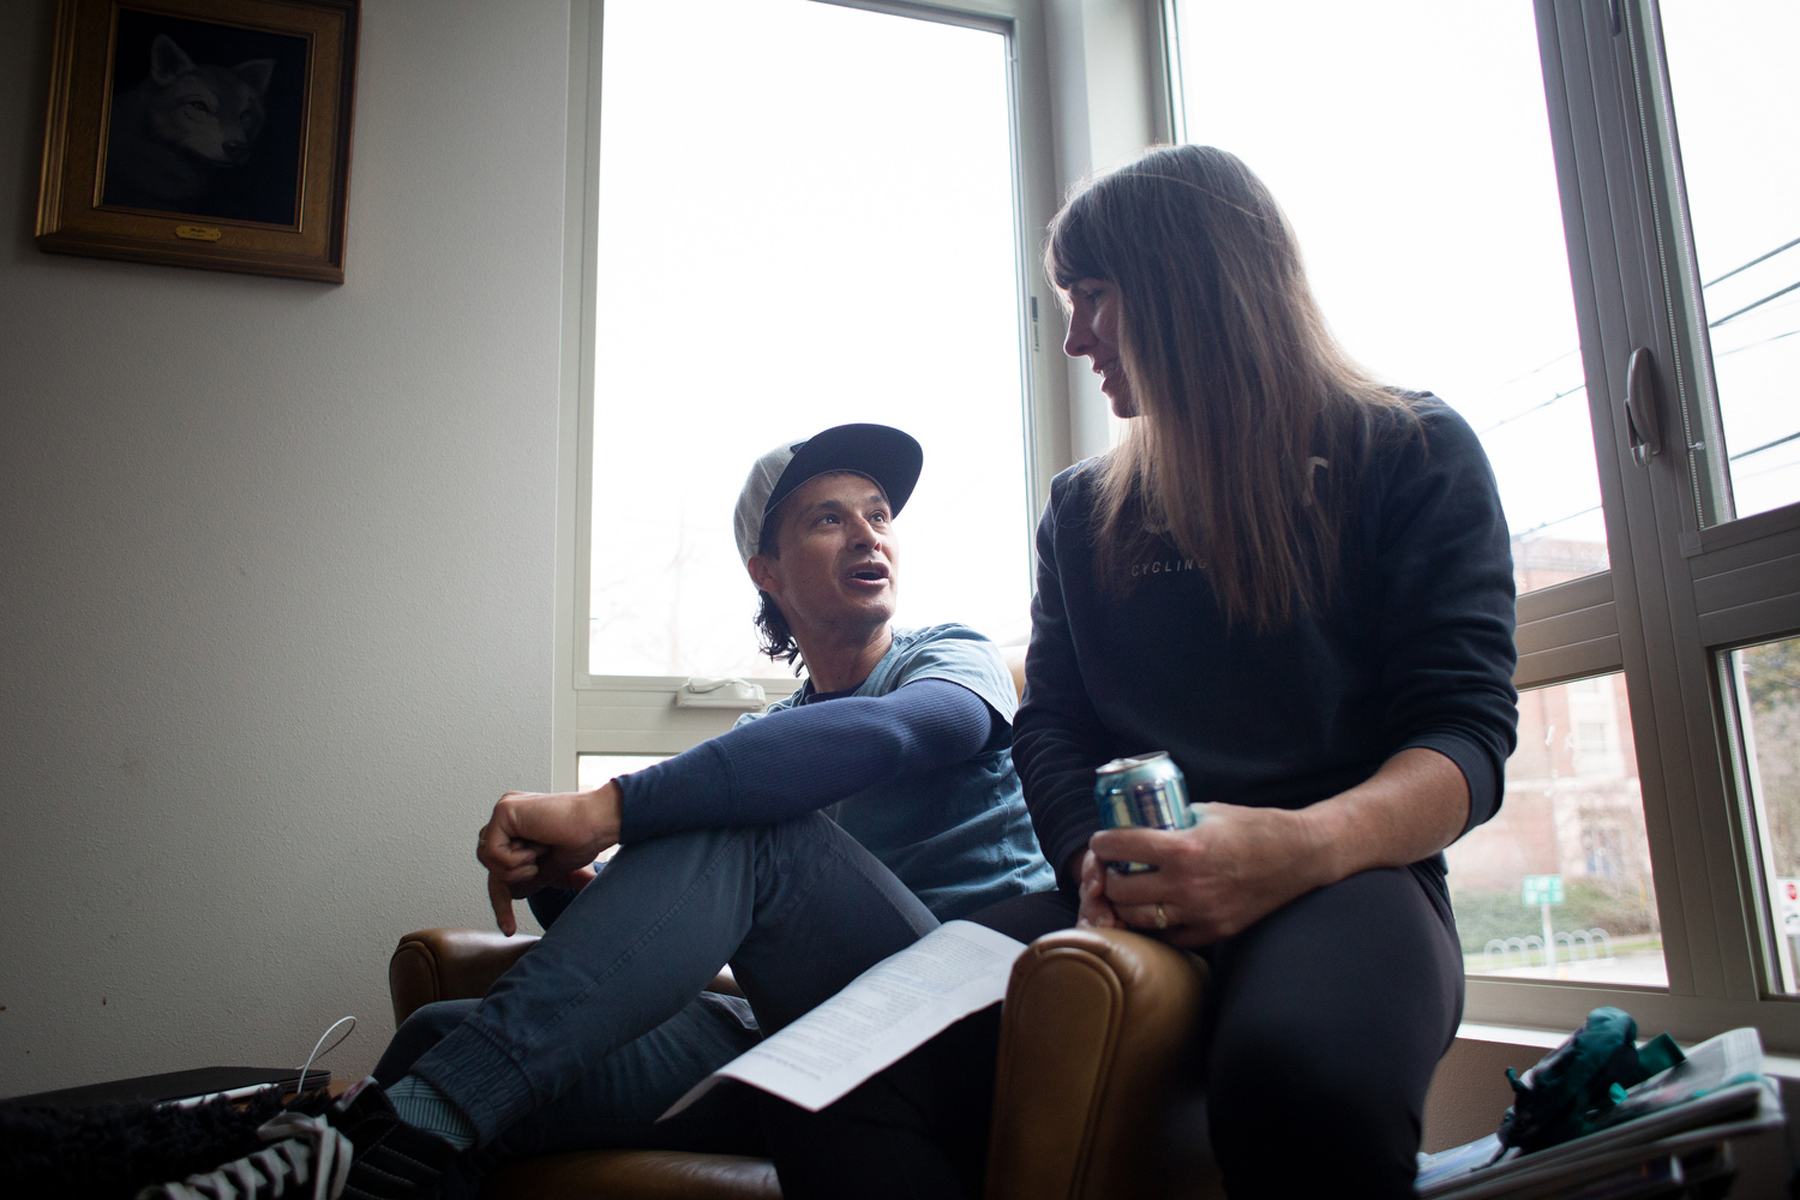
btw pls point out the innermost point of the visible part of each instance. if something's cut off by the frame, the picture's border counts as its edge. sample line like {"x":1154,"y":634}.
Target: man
{"x":726,"y":856}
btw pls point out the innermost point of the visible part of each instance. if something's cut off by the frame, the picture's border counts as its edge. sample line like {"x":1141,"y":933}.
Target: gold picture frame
{"x":201,"y":133}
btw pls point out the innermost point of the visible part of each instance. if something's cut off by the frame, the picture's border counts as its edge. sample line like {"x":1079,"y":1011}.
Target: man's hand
{"x":1213,"y":880}
{"x":537,"y":840}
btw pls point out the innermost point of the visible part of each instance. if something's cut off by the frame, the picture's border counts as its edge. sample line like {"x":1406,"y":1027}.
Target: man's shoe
{"x":352,"y":1148}
{"x":392,"y":1160}
{"x":306,"y":1159}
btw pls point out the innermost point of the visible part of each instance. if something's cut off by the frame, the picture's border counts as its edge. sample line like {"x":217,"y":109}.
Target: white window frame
{"x":1676,"y":594}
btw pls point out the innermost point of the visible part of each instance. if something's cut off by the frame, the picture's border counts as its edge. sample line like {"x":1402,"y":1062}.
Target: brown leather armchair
{"x":1089,"y":1037}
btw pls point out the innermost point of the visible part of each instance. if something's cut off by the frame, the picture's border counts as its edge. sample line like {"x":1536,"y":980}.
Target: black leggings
{"x":1323,"y":1025}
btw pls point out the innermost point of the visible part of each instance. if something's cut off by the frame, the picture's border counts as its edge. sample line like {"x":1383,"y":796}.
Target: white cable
{"x":300,"y":1086}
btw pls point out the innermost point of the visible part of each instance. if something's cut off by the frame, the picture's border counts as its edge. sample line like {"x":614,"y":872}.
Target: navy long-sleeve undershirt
{"x":796,"y":760}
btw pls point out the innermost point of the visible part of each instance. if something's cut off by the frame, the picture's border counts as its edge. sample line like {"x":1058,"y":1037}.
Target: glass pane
{"x":1557,"y":885}
{"x":592,"y":770}
{"x":1409,"y":144}
{"x":1766,"y":680}
{"x":806,"y":218}
{"x":1737,"y":107}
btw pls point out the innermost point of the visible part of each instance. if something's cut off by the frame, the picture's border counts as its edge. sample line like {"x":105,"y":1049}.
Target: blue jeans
{"x":603,"y":1023}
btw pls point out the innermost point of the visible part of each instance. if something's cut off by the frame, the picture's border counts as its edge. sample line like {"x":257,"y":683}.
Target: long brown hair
{"x":1241,"y":388}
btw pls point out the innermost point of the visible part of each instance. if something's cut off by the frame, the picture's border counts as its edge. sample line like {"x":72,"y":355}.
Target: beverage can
{"x":1146,"y":792}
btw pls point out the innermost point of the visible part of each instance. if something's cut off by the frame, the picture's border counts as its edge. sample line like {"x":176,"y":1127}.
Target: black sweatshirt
{"x":1413,"y":648}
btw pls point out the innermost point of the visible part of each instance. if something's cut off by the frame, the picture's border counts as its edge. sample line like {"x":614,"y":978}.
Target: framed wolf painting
{"x":201,"y":133}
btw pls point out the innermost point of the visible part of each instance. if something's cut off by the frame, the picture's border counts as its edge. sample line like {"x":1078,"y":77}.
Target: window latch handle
{"x":736,"y":694}
{"x":1642,"y":413}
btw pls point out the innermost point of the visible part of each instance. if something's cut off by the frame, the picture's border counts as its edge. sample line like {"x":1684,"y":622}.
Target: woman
{"x":1297,"y":582}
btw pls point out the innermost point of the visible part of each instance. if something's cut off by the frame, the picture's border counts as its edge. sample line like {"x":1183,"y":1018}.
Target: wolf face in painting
{"x":185,"y":126}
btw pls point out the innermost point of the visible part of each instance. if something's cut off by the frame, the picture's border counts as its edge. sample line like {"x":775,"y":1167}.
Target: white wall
{"x":276,"y":573}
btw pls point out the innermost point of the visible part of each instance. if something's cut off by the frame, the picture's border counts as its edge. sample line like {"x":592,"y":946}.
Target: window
{"x":1574,"y":810}
{"x":1731,"y":83}
{"x":593,"y":770}
{"x":1384,"y":189}
{"x":855,"y":167}
{"x":1569,"y":222}
{"x":1765,"y":683}
{"x":786,"y":215}
{"x":1654,"y":114}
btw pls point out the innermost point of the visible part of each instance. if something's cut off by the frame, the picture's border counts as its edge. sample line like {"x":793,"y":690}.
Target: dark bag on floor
{"x":110,"y":1151}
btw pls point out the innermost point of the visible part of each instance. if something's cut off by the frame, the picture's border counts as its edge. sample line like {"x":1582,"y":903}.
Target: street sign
{"x":1542,"y":889}
{"x":1787,"y":893}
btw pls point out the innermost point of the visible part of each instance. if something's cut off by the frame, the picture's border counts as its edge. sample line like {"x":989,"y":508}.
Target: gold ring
{"x":1162,"y":918}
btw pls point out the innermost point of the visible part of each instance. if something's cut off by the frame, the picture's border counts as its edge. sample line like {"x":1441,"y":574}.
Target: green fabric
{"x":1571,"y":1089}
{"x":1659,"y":1055}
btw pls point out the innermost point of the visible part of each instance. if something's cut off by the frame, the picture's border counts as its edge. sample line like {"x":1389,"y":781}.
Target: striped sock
{"x":417,"y":1102}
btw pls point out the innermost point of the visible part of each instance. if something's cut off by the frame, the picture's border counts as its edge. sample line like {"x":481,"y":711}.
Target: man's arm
{"x":537,"y":840}
{"x":799,"y":759}
{"x":786,"y":764}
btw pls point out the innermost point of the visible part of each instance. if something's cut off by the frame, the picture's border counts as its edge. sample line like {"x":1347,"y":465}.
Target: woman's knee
{"x":1287,"y":1119}
{"x":1319,"y":1038}
{"x":1272,"y":1076}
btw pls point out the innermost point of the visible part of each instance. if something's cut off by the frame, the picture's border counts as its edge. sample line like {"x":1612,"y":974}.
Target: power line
{"x":1774,"y":337}
{"x":1754,"y":304}
{"x":1556,"y":521}
{"x":1780,"y":441}
{"x":1543,"y":404}
{"x":1759,"y":258}
{"x":1737,"y":478}
{"x":1540,"y":367}
{"x":1523,"y":413}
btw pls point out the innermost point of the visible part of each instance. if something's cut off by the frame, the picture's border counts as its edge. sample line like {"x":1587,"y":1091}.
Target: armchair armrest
{"x":1091,"y":1038}
{"x":449,"y":964}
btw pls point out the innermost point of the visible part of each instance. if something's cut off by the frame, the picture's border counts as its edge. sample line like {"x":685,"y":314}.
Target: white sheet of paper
{"x":892,"y":1008}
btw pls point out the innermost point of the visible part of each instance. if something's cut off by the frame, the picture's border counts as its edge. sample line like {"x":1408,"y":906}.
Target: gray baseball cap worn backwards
{"x":886,"y":455}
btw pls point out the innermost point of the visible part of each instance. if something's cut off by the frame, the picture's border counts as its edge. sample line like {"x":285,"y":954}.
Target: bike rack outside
{"x":1587,"y":939}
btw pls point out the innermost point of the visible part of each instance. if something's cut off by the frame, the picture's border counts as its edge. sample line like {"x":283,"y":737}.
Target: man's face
{"x":838,"y":565}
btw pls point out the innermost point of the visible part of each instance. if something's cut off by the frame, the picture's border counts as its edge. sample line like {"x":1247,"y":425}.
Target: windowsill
{"x":1782,"y":1066}
{"x":1510,"y":1034}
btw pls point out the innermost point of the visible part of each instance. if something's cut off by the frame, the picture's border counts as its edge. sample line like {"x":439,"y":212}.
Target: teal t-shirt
{"x":958,"y":837}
